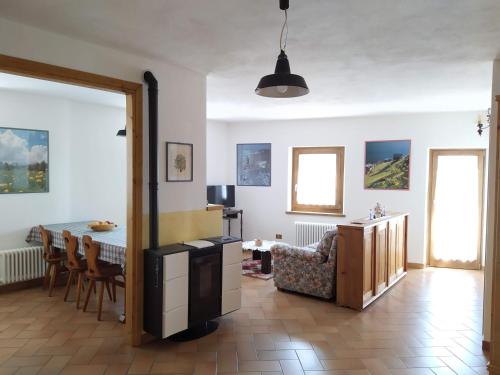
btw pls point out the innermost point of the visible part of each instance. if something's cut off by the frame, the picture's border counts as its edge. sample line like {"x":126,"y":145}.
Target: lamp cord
{"x":285,"y":26}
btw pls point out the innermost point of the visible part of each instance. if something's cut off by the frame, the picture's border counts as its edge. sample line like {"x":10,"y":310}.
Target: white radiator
{"x":21,"y":264}
{"x":308,"y":233}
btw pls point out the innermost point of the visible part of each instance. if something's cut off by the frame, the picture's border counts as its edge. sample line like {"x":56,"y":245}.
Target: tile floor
{"x":430,"y":323}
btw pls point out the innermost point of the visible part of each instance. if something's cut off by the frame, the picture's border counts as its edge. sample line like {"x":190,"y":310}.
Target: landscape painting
{"x":387,"y":165}
{"x":254,"y":164}
{"x":24,"y":161}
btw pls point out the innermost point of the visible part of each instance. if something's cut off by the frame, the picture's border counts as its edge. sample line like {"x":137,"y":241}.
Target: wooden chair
{"x":54,"y":258}
{"x":99,"y":271}
{"x":76,"y":266}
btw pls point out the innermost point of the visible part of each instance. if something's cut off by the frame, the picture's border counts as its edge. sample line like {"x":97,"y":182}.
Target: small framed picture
{"x":179,"y":162}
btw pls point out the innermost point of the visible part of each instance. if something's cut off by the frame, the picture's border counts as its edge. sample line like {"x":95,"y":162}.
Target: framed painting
{"x":387,"y":165}
{"x":179,"y":162}
{"x":24,"y":161}
{"x":253,"y":164}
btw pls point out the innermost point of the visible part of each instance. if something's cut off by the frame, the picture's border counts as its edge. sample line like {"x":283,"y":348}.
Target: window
{"x":318,"y":179}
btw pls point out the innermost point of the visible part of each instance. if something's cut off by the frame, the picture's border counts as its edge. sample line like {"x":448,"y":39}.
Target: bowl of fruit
{"x":102,"y":226}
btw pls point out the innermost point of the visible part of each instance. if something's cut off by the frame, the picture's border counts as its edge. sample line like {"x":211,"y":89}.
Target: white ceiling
{"x":61,"y":90}
{"x":358,"y":56}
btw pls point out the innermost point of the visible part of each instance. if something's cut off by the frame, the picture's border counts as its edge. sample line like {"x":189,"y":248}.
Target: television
{"x":221,"y":194}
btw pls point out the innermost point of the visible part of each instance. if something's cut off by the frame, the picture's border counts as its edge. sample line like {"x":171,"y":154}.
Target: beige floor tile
{"x":268,"y":355}
{"x":259,"y":366}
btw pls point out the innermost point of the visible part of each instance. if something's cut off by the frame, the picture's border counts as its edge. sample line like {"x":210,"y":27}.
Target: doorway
{"x":134,"y":119}
{"x":456,"y":208}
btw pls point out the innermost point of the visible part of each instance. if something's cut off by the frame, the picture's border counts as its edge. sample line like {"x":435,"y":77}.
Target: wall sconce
{"x":480,"y":125}
{"x":122,"y":132}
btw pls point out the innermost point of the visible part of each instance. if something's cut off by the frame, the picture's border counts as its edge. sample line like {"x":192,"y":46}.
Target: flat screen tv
{"x":221,"y":194}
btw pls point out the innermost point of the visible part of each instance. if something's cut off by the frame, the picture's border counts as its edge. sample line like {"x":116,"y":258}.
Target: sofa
{"x":308,"y":270}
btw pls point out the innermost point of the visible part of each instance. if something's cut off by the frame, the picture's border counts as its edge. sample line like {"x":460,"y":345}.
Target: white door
{"x":455,"y":208}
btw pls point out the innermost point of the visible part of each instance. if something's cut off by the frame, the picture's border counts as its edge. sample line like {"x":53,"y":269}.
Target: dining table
{"x":113,"y":243}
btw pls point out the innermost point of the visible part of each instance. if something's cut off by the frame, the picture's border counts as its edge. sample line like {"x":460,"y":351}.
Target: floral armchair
{"x":308,"y":270}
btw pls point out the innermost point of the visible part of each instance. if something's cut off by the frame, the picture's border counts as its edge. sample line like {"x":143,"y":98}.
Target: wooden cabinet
{"x":371,"y":258}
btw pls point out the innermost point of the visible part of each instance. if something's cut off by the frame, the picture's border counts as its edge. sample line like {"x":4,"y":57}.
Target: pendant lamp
{"x":282,"y":84}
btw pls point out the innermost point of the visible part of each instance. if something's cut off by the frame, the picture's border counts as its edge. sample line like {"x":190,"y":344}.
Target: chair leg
{"x":109,"y":291}
{"x":68,"y":284}
{"x":87,"y":297}
{"x":53,"y":274}
{"x":79,"y":288}
{"x":46,"y":279}
{"x":113,"y":285}
{"x":99,"y":303}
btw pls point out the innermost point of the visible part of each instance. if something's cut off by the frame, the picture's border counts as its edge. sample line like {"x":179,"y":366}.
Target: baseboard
{"x":21,"y":285}
{"x":418,"y":266}
{"x":486,"y":346}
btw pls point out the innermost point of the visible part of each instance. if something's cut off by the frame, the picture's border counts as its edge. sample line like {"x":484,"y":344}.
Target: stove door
{"x":205,"y":285}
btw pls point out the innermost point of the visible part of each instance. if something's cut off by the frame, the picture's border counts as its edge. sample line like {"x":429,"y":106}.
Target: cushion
{"x":326,"y":243}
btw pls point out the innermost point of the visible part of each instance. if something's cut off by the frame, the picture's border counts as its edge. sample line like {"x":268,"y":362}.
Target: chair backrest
{"x":48,"y":251}
{"x":71,"y":244}
{"x":92,"y":251}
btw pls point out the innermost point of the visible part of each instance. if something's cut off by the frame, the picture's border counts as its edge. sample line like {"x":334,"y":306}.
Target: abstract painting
{"x":387,"y":165}
{"x":24,"y":161}
{"x":254,"y":164}
{"x":179,"y":162}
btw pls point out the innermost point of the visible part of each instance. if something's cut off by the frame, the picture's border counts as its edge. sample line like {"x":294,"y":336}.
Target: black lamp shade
{"x":282,"y":84}
{"x":122,"y":133}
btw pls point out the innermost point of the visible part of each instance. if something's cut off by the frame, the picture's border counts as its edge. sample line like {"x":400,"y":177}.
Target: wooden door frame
{"x":134,"y":108}
{"x":433,"y":154}
{"x":494,"y":365}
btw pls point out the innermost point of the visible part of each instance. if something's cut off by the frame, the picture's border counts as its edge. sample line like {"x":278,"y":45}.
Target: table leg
{"x":256,"y":255}
{"x":266,"y":262}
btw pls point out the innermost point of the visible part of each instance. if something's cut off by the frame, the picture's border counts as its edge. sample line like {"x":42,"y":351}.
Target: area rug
{"x":251,"y":268}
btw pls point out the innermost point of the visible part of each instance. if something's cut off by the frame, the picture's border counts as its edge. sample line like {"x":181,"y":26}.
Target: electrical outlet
{"x":279,"y":236}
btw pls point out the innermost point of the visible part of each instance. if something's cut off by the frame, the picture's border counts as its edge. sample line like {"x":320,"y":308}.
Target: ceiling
{"x":61,"y":90}
{"x":359,"y":57}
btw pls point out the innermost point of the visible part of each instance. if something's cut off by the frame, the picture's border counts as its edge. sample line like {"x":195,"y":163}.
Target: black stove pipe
{"x":153,"y":158}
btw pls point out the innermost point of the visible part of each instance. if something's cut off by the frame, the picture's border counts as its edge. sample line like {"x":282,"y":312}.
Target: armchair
{"x":309,"y":270}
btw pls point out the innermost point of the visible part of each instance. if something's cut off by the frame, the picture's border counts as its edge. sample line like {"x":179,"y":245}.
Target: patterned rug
{"x":251,"y":268}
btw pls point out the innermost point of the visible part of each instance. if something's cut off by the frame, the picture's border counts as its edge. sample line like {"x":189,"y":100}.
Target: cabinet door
{"x":392,"y":250}
{"x":231,"y":253}
{"x":381,"y":239}
{"x":400,"y":246}
{"x":368,"y":265}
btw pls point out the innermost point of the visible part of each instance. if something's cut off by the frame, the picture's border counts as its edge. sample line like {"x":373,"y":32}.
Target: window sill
{"x":314,"y":213}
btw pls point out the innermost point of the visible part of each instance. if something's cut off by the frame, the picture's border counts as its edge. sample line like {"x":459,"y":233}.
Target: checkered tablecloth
{"x":113,"y":243}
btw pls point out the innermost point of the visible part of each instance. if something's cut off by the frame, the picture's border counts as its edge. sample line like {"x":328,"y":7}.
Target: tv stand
{"x":230,"y":214}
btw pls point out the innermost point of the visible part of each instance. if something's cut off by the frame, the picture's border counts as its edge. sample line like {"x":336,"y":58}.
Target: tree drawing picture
{"x":179,"y":162}
{"x":24,"y":161}
{"x":387,"y":165}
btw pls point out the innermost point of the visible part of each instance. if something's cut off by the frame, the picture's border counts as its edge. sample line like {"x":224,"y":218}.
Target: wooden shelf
{"x":215,"y":207}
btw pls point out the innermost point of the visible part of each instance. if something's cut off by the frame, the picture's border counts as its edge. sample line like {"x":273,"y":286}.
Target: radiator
{"x":308,"y":233}
{"x":21,"y":264}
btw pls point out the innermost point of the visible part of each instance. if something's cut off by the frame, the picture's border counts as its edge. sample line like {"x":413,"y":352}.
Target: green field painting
{"x":387,"y":165}
{"x":24,"y":161}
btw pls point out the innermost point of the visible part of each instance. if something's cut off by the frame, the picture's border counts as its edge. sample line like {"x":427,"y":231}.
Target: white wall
{"x":87,"y":164}
{"x":265,"y":207}
{"x":98,"y":163}
{"x":181,"y":101}
{"x":217,"y":153}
